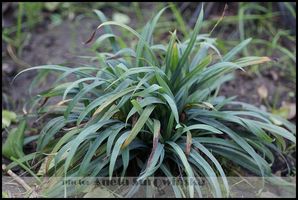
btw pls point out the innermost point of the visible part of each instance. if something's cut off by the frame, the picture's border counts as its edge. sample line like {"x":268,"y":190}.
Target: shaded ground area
{"x":60,"y":45}
{"x":245,"y":87}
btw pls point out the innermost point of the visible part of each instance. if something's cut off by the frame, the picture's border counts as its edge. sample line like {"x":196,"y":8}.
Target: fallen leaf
{"x":121,"y":18}
{"x":263,"y":92}
{"x":291,"y":109}
{"x":274,"y":75}
{"x":8,"y":69}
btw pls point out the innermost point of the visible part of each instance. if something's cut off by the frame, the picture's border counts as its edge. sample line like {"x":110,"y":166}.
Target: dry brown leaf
{"x":291,"y":108}
{"x":274,"y":75}
{"x":263,"y":92}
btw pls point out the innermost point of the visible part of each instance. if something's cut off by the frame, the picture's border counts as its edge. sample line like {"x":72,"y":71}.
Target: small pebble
{"x":9,"y":69}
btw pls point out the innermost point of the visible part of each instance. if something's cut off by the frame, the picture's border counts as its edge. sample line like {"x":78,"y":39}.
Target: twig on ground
{"x":20,"y":181}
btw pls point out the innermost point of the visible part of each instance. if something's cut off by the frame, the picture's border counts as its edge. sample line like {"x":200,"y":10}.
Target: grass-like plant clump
{"x":154,"y":110}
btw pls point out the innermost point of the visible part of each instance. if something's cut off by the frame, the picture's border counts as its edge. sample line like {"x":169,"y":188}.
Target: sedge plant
{"x":154,"y":110}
